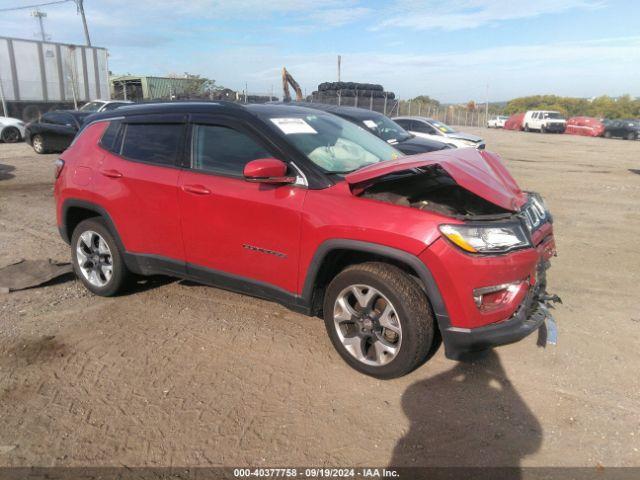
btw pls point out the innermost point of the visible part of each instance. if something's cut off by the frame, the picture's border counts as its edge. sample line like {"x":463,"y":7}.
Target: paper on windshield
{"x":290,"y":126}
{"x":370,"y":123}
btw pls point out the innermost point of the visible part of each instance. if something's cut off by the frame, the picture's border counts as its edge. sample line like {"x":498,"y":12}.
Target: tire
{"x":607,"y":134}
{"x":11,"y":135}
{"x":543,"y":129}
{"x":631,"y":136}
{"x":526,"y":127}
{"x":358,"y":331}
{"x":101,"y":283}
{"x":39,"y":144}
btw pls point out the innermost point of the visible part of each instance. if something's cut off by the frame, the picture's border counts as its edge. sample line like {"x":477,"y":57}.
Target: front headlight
{"x":498,"y":238}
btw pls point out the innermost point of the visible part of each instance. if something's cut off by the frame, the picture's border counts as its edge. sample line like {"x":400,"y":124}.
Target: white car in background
{"x":435,"y":130}
{"x":103,"y":105}
{"x":11,"y":129}
{"x":497,"y":121}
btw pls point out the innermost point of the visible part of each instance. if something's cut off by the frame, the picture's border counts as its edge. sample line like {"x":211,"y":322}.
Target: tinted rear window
{"x":153,"y":143}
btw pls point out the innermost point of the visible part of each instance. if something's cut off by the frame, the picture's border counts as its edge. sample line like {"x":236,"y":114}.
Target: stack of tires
{"x":365,"y":95}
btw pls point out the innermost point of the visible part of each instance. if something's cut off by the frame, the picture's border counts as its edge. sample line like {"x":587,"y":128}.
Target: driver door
{"x":236,"y":231}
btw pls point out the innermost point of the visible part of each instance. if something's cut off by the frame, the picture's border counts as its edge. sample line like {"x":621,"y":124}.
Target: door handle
{"x":196,"y":189}
{"x":111,"y":173}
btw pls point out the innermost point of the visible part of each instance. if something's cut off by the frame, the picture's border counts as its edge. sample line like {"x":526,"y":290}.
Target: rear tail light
{"x":58,"y":166}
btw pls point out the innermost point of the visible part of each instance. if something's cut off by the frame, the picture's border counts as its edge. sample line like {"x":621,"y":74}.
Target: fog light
{"x":488,"y":298}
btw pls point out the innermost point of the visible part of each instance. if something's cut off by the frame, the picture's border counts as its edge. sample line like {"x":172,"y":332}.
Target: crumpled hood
{"x":480,"y":172}
{"x":465,"y":136}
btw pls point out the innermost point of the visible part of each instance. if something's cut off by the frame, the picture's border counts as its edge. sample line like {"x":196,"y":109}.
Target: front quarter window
{"x":332,"y":143}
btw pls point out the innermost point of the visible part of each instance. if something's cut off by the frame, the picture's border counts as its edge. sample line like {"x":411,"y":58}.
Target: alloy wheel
{"x":37,"y":143}
{"x":94,"y":258}
{"x":367,"y":325}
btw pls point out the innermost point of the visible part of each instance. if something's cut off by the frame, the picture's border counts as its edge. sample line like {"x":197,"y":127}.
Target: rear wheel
{"x":631,"y":136}
{"x":526,"y":127}
{"x":97,"y":260}
{"x":39,"y":144}
{"x":10,"y":135}
{"x":379,"y":320}
{"x":543,"y":129}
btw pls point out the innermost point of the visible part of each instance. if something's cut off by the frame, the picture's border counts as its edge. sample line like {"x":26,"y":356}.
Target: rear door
{"x":233,"y":228}
{"x":137,"y":181}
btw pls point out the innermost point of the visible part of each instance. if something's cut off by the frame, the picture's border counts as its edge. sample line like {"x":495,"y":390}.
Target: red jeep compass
{"x":312,"y":211}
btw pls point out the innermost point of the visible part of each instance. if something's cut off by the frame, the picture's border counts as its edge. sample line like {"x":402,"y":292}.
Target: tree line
{"x":599,"y":107}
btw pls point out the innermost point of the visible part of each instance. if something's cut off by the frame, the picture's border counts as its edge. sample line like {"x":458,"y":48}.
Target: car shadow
{"x":634,"y":170}
{"x":5,"y":171}
{"x":143,"y":283}
{"x":468,"y":416}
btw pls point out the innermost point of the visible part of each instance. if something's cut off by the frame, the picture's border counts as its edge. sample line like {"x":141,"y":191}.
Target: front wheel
{"x":526,"y":128}
{"x":631,"y":136}
{"x":379,"y":320}
{"x":607,"y":134}
{"x":10,"y":135}
{"x":97,"y":260}
{"x":543,"y":129}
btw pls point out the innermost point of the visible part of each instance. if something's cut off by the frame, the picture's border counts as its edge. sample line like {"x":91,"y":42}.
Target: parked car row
{"x":550,"y":121}
{"x":54,"y":131}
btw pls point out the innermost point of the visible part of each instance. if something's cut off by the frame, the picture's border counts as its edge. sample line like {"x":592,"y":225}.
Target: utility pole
{"x":40,"y":15}
{"x":80,"y":5}
{"x":339,"y":65}
{"x":486,"y":108}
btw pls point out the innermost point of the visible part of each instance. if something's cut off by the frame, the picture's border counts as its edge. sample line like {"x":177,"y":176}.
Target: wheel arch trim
{"x":432,"y":290}
{"x":92,"y":207}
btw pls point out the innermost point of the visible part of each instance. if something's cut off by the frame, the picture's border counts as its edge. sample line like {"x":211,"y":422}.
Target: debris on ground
{"x":31,"y":273}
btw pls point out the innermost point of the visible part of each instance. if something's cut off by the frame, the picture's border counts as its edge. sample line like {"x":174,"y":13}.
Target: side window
{"x":223,"y":150}
{"x":406,"y":124}
{"x":110,"y":136}
{"x":423,"y":128}
{"x":157,"y":143}
{"x":55,"y":118}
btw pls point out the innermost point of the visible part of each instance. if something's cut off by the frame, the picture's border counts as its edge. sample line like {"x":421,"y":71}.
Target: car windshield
{"x":387,"y":129}
{"x":503,"y":117}
{"x":442,"y":127}
{"x":334,"y":144}
{"x":91,"y":107}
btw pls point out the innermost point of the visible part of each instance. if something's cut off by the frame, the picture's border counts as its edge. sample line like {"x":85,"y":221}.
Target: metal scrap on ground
{"x":31,"y":273}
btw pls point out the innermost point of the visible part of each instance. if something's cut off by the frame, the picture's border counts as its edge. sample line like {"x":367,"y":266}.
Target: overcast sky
{"x":450,"y":50}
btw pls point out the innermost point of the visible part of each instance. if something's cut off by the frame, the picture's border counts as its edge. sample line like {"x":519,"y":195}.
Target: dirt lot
{"x":181,"y":374}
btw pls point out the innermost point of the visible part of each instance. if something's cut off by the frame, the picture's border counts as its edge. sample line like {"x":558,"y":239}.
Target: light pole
{"x":40,"y":15}
{"x":80,"y":5}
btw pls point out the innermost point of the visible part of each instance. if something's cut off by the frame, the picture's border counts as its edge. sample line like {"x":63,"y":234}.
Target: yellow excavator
{"x":287,"y":80}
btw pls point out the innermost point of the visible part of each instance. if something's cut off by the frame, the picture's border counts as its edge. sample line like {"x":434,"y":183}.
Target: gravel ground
{"x":181,"y":374}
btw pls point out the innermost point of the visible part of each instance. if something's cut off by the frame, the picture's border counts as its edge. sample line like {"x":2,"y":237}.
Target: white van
{"x":544,"y":121}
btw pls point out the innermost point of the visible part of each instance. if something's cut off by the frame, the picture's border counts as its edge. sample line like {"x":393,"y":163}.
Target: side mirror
{"x":267,"y":170}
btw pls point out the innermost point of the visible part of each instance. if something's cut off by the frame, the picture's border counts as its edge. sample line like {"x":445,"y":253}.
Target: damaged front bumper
{"x":532,"y":314}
